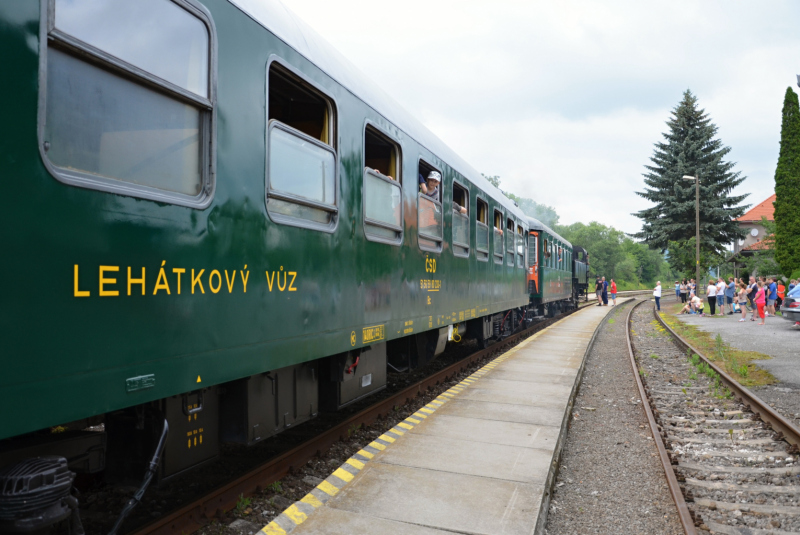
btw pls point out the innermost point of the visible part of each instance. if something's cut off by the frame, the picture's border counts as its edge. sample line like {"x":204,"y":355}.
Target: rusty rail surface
{"x":684,"y":514}
{"x":199,"y":513}
{"x":783,"y":427}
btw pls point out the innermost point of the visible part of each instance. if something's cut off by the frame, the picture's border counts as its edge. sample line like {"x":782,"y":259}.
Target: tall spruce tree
{"x":787,"y":188}
{"x":690,"y":149}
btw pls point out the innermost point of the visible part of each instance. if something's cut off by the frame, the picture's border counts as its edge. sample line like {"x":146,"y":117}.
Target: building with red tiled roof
{"x":751,"y":222}
{"x":762,"y":209}
{"x":758,"y":246}
{"x":756,"y":238}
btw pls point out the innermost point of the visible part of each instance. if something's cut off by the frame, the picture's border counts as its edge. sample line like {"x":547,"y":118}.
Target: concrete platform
{"x":479,"y":459}
{"x":778,"y":339}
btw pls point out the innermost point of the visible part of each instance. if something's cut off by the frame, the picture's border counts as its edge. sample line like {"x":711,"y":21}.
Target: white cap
{"x":434,"y":175}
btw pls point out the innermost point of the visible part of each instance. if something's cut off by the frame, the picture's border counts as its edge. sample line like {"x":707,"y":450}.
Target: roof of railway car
{"x":280,"y":20}
{"x":535,"y":224}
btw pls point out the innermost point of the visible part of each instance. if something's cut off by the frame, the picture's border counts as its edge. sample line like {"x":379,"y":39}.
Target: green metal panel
{"x":308,"y":294}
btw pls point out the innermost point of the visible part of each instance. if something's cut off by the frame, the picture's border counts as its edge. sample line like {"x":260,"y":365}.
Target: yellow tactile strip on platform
{"x":298,"y":512}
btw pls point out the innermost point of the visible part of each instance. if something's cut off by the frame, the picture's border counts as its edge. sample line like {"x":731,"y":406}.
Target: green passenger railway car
{"x":215,"y":220}
{"x":557,"y":270}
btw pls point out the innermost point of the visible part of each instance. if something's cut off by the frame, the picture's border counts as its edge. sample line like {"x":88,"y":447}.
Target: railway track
{"x":730,"y":460}
{"x":199,"y":513}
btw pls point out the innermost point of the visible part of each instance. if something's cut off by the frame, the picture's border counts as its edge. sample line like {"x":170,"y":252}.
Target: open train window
{"x":482,"y":230}
{"x":429,"y":210}
{"x":301,"y":160}
{"x":130,"y":94}
{"x":498,"y":237}
{"x":383,"y":194}
{"x":295,"y":103}
{"x":546,"y":253}
{"x":520,"y":248}
{"x":460,"y":220}
{"x":510,"y":241}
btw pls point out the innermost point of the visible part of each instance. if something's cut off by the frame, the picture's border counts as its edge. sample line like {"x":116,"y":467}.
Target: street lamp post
{"x":697,"y":226}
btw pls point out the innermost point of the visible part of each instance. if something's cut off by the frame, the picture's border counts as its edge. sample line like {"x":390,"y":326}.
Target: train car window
{"x":429,"y":209}
{"x":427,"y":176}
{"x":460,"y":220}
{"x":383,"y":195}
{"x":301,"y":166}
{"x":498,"y":237}
{"x":546,"y":253}
{"x":556,"y":256}
{"x":130,"y":98}
{"x":510,"y":242}
{"x":533,"y":248}
{"x":520,"y":248}
{"x":549,"y":253}
{"x":295,"y":103}
{"x":482,"y":231}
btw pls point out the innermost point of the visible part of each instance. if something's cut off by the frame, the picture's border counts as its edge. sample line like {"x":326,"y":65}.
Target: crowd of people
{"x":761,"y":297}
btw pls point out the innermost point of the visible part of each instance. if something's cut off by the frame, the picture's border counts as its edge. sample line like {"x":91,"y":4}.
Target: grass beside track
{"x":736,"y":362}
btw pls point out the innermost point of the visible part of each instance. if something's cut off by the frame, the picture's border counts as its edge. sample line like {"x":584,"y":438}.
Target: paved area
{"x":479,"y":459}
{"x":778,"y":339}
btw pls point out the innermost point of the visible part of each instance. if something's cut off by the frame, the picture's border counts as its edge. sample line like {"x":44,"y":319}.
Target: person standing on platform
{"x":752,"y":289}
{"x":684,"y":290}
{"x":613,"y":293}
{"x":657,"y":295}
{"x":598,"y":291}
{"x":760,"y":301}
{"x":730,"y":292}
{"x":772,"y":296}
{"x":677,"y":290}
{"x":741,"y":297}
{"x":720,"y":296}
{"x":711,"y":292}
{"x":605,"y":292}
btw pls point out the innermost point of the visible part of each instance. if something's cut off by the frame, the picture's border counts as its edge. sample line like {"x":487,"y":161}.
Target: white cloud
{"x":564,"y":100}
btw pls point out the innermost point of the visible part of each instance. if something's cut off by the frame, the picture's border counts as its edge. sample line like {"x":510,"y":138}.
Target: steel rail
{"x":684,"y":514}
{"x":783,"y":427}
{"x":199,"y":513}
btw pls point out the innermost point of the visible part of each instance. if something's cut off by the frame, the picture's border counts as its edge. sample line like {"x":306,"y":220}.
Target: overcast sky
{"x":564,"y":100}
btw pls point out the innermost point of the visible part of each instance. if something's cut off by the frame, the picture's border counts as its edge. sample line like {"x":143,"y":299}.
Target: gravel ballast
{"x":610,"y":480}
{"x":738,"y":476}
